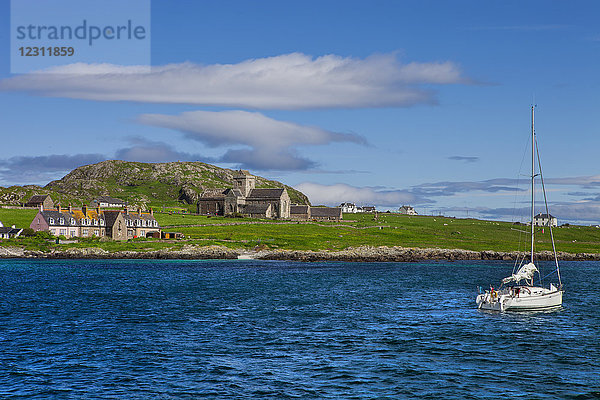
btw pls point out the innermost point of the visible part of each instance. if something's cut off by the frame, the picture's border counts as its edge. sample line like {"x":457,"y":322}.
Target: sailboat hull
{"x":526,"y":298}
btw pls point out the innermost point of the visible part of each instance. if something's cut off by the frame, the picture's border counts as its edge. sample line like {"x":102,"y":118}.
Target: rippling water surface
{"x":218,"y":329}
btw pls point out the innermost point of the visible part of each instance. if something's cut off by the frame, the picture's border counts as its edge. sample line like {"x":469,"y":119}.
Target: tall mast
{"x":532,"y":179}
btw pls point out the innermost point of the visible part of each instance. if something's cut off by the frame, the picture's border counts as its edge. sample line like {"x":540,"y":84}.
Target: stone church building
{"x":245,"y":198}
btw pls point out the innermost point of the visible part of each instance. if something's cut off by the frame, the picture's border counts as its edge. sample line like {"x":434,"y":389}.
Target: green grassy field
{"x":19,"y":218}
{"x":355,"y":230}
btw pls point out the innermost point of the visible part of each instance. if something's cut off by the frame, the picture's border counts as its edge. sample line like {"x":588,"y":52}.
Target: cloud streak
{"x":333,"y":195}
{"x":464,"y":158}
{"x":27,"y":169}
{"x":269,"y":144}
{"x":144,"y":150}
{"x":290,"y":81}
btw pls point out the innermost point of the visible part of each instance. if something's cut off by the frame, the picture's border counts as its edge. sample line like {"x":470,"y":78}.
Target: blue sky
{"x":387,"y":102}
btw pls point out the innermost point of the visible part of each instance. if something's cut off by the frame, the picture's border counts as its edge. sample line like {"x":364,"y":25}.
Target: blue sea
{"x":99,"y":329}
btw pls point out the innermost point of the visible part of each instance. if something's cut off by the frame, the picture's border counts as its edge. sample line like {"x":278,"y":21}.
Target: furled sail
{"x":525,"y":272}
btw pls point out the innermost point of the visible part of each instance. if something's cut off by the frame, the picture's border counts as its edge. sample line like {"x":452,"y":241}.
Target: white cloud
{"x":290,"y":81}
{"x":333,"y":195}
{"x":270,"y":143}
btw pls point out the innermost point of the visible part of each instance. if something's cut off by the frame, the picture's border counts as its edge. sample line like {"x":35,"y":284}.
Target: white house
{"x":408,"y":210}
{"x":107,"y":201}
{"x":9,"y":232}
{"x":348,"y":208}
{"x":545,"y":220}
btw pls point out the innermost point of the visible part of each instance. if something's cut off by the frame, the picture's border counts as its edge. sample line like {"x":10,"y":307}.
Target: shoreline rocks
{"x":358,"y":254}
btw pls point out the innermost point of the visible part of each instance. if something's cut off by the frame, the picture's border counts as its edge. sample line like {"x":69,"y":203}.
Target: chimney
{"x":126,"y":210}
{"x":70,"y":208}
{"x":58,"y":207}
{"x":98,"y":209}
{"x":84,"y":210}
{"x":41,"y":206}
{"x":139,"y":211}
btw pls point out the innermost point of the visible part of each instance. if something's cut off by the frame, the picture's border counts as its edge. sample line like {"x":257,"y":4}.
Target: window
{"x":51,"y":220}
{"x":95,"y":222}
{"x":85,"y":232}
{"x":63,"y":231}
{"x":72,"y":221}
{"x":96,"y":232}
{"x":101,"y":222}
{"x":61,"y":221}
{"x":142,"y":233}
{"x":72,"y":233}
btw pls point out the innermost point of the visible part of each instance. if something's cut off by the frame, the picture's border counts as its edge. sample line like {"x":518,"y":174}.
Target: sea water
{"x":279,"y":330}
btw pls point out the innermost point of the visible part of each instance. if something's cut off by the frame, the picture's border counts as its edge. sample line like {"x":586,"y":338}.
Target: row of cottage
{"x":90,"y":222}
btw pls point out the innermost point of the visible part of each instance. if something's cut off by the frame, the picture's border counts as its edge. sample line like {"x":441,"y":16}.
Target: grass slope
{"x":356,"y":230}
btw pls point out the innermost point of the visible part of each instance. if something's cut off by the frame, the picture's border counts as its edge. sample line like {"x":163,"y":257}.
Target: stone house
{"x":116,"y":227}
{"x":42,"y":200}
{"x":140,"y":224}
{"x":326,"y":213}
{"x":299,"y":212}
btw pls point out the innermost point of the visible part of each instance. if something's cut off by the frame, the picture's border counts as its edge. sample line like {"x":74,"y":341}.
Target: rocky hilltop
{"x":139,"y":183}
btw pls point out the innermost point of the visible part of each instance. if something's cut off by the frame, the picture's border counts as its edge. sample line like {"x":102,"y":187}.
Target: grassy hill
{"x":146,"y":184}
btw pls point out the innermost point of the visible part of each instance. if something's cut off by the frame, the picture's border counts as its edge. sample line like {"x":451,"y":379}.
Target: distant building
{"x":326,"y":213}
{"x":245,"y":198}
{"x":368,"y":209}
{"x":107,"y":201}
{"x":300,"y":212}
{"x":7,"y":232}
{"x":545,"y":220}
{"x":348,"y":208}
{"x":407,"y":210}
{"x":38,"y":201}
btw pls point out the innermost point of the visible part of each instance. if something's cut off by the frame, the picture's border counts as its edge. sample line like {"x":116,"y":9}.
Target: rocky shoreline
{"x":359,"y":254}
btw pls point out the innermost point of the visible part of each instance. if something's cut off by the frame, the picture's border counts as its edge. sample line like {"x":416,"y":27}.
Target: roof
{"x":266,"y":193}
{"x":547,"y":216}
{"x":299,"y":209}
{"x":326,"y":212}
{"x":110,"y":217}
{"x":257,"y":208}
{"x":37,"y":199}
{"x":213,"y":194}
{"x":108,"y":199}
{"x":135,"y":216}
{"x":235,"y":192}
{"x":54,"y":214}
{"x":9,"y":230}
{"x":242,"y":172}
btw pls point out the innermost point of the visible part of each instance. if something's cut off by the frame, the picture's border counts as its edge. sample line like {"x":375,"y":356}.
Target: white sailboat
{"x":512,"y":294}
